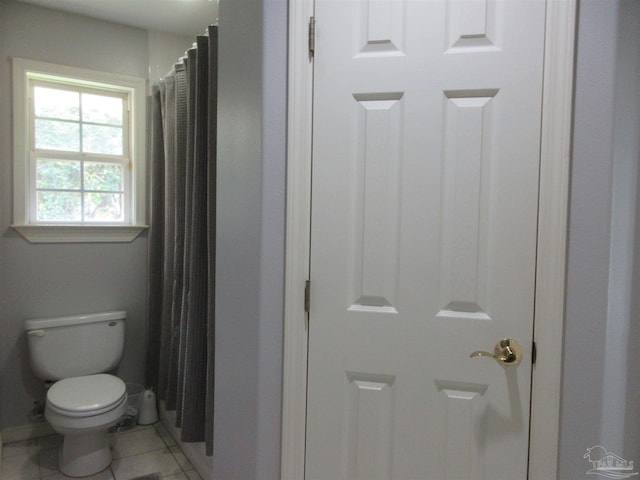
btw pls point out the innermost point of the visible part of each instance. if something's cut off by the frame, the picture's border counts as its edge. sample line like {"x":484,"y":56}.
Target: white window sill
{"x":79,"y":233}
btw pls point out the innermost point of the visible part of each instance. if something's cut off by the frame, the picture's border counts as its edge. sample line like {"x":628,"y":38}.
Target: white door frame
{"x":552,"y":232}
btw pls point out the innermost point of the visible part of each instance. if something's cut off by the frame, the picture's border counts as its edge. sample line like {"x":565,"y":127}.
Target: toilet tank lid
{"x":40,"y":323}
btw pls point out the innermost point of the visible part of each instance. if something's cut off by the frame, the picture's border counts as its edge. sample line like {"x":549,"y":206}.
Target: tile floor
{"x":136,"y":452}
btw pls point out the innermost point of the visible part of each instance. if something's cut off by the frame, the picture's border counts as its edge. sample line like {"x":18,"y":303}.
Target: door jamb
{"x":552,"y":238}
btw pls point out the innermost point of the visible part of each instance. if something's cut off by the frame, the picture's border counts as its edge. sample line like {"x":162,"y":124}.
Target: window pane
{"x":53,"y":135}
{"x":103,"y":207}
{"x":103,"y":176}
{"x":54,"y":103}
{"x":59,"y":207}
{"x":101,"y":109}
{"x":105,"y":140}
{"x":58,"y":174}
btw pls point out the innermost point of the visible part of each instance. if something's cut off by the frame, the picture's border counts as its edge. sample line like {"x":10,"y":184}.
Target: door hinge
{"x":534,"y":351}
{"x":307,"y":295}
{"x":312,"y":36}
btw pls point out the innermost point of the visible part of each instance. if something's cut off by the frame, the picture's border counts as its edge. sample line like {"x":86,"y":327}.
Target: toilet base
{"x":84,"y":454}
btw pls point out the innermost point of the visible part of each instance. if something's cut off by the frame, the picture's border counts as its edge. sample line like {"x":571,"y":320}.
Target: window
{"x":78,"y":154}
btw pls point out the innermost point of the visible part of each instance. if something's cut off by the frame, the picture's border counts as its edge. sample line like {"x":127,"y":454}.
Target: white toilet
{"x":84,"y":402}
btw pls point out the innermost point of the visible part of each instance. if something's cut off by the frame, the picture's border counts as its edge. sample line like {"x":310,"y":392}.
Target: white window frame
{"x":27,"y":71}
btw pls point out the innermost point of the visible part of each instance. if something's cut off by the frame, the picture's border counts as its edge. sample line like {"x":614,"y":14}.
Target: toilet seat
{"x":86,"y":396}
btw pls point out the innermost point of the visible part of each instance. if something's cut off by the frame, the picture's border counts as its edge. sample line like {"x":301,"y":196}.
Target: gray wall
{"x":603,"y":279}
{"x":602,"y":310}
{"x":619,"y":423}
{"x":627,"y":174}
{"x":59,"y":279}
{"x":250,"y":233}
{"x":601,"y":367}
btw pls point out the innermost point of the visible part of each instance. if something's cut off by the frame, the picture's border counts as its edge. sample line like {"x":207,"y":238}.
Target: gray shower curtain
{"x":181,"y":328}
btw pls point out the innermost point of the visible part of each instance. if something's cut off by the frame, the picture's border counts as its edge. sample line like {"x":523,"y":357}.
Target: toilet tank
{"x":77,"y":345}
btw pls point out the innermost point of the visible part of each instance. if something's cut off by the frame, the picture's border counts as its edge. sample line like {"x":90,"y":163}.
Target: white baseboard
{"x":195,"y":452}
{"x":25,"y":432}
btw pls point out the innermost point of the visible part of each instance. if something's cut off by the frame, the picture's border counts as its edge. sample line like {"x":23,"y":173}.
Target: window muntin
{"x":80,"y":153}
{"x":64,"y":77}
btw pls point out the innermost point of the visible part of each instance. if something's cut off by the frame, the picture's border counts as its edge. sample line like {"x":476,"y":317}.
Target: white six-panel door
{"x":426,"y":151}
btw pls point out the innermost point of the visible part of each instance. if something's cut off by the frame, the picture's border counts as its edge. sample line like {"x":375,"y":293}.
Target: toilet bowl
{"x":82,"y":409}
{"x":82,"y":404}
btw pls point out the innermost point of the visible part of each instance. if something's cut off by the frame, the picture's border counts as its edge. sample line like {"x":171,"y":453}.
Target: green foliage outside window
{"x":79,"y":188}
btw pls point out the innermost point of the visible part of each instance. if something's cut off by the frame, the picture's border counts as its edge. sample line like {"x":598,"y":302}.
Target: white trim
{"x":79,"y":233}
{"x":552,"y":238}
{"x":135,"y":88}
{"x":553,"y":218}
{"x":300,"y":98}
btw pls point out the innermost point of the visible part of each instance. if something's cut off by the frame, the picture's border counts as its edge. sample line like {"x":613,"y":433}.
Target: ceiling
{"x":182,"y":17}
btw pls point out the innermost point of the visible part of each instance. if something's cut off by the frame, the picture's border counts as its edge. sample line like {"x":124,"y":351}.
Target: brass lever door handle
{"x":508,"y":352}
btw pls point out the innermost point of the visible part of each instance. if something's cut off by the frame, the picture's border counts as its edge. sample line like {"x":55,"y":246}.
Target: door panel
{"x":424,"y":212}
